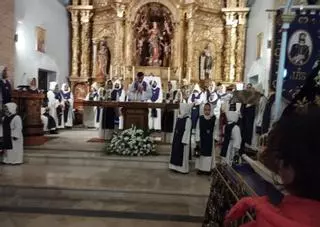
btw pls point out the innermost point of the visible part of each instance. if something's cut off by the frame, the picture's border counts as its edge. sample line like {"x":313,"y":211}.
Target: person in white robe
{"x":55,"y":103}
{"x":68,"y":100}
{"x":258,"y":117}
{"x":89,"y":112}
{"x":98,"y":117}
{"x":12,"y":135}
{"x":180,"y":152}
{"x":232,"y":138}
{"x":205,"y":160}
{"x":155,"y":114}
{"x":120,"y":97}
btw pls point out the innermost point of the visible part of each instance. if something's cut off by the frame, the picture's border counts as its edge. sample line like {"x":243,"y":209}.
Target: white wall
{"x":259,"y":21}
{"x":52,"y":16}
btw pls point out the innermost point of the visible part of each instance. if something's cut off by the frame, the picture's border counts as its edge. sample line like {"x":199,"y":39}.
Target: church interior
{"x":159,"y":112}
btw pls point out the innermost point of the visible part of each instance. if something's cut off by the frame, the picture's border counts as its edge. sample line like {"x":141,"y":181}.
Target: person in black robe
{"x":180,"y":150}
{"x":5,"y":85}
{"x":205,"y":140}
{"x":168,"y":115}
{"x":108,"y":113}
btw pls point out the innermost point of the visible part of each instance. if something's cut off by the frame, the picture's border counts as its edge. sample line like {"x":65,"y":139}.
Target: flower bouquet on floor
{"x":131,"y":142}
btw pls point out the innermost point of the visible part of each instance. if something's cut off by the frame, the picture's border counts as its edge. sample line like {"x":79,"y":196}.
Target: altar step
{"x":94,"y":159}
{"x":108,"y":192}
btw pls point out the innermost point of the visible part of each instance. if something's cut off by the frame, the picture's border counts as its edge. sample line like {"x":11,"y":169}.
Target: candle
{"x":133,"y":73}
{"x":190,"y":75}
{"x":116,"y":74}
{"x":169,"y":72}
{"x":180,"y":74}
{"x":124,"y":73}
{"x":110,"y":71}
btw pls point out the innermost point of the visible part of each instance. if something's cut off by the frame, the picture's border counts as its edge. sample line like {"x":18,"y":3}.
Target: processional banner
{"x":303,"y":49}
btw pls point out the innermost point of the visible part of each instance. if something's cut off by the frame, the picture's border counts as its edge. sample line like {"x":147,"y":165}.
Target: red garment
{"x":292,"y":212}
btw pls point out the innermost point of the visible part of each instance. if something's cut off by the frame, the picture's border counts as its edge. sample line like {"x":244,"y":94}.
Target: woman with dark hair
{"x":292,"y":152}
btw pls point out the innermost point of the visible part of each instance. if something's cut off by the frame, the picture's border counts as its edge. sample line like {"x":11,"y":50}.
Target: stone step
{"x":93,"y":158}
{"x":40,"y":189}
{"x":102,"y":200}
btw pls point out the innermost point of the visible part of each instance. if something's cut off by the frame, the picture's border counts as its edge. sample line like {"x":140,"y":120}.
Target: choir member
{"x":205,"y":140}
{"x":169,"y":117}
{"x":232,"y":138}
{"x":155,"y":114}
{"x":258,"y":117}
{"x":179,"y":160}
{"x":108,"y":114}
{"x":196,"y":100}
{"x":12,"y":135}
{"x":55,"y":104}
{"x":101,"y":97}
{"x":215,"y":102}
{"x":68,"y":101}
{"x":247,"y":122}
{"x":119,"y":95}
{"x":49,"y":124}
{"x":90,"y":113}
{"x":5,"y":85}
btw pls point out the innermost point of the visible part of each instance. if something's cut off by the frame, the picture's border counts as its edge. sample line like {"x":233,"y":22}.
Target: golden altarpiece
{"x":196,"y":40}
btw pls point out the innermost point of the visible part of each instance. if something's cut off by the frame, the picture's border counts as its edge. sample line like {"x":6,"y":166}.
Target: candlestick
{"x":133,"y":73}
{"x":180,"y":75}
{"x":110,"y":72}
{"x":169,"y":74}
{"x":124,"y":73}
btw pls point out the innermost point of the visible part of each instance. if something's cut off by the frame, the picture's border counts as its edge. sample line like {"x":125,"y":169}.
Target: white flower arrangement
{"x":131,"y":142}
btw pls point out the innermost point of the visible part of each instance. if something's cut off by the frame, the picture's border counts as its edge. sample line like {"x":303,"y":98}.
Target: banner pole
{"x":287,"y":18}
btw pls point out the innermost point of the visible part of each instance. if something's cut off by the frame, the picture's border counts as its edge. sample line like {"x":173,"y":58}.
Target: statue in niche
{"x":103,"y":59}
{"x":205,"y":64}
{"x":153,"y":33}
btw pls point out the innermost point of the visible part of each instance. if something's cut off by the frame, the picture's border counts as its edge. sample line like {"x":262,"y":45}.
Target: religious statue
{"x":154,"y":39}
{"x":103,"y":59}
{"x":205,"y":64}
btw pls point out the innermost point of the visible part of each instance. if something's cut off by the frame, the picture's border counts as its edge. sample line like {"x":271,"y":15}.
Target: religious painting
{"x":299,"y":48}
{"x":259,"y":45}
{"x":205,"y":64}
{"x":153,"y":34}
{"x":41,"y":39}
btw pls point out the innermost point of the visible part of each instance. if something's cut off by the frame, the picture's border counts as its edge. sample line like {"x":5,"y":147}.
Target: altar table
{"x":134,"y":113}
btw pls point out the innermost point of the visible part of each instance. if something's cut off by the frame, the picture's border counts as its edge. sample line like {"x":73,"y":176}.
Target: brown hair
{"x":295,"y":142}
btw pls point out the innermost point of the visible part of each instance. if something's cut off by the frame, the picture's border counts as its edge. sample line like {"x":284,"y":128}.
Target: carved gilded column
{"x":240,"y":53}
{"x":119,"y":40}
{"x":191,"y":22}
{"x":232,"y":75}
{"x":75,"y":23}
{"x":94,"y":58}
{"x":230,"y":46}
{"x":85,"y":43}
{"x":128,"y":43}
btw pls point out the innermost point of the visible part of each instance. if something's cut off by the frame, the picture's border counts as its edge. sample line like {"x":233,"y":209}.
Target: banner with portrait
{"x":303,"y":49}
